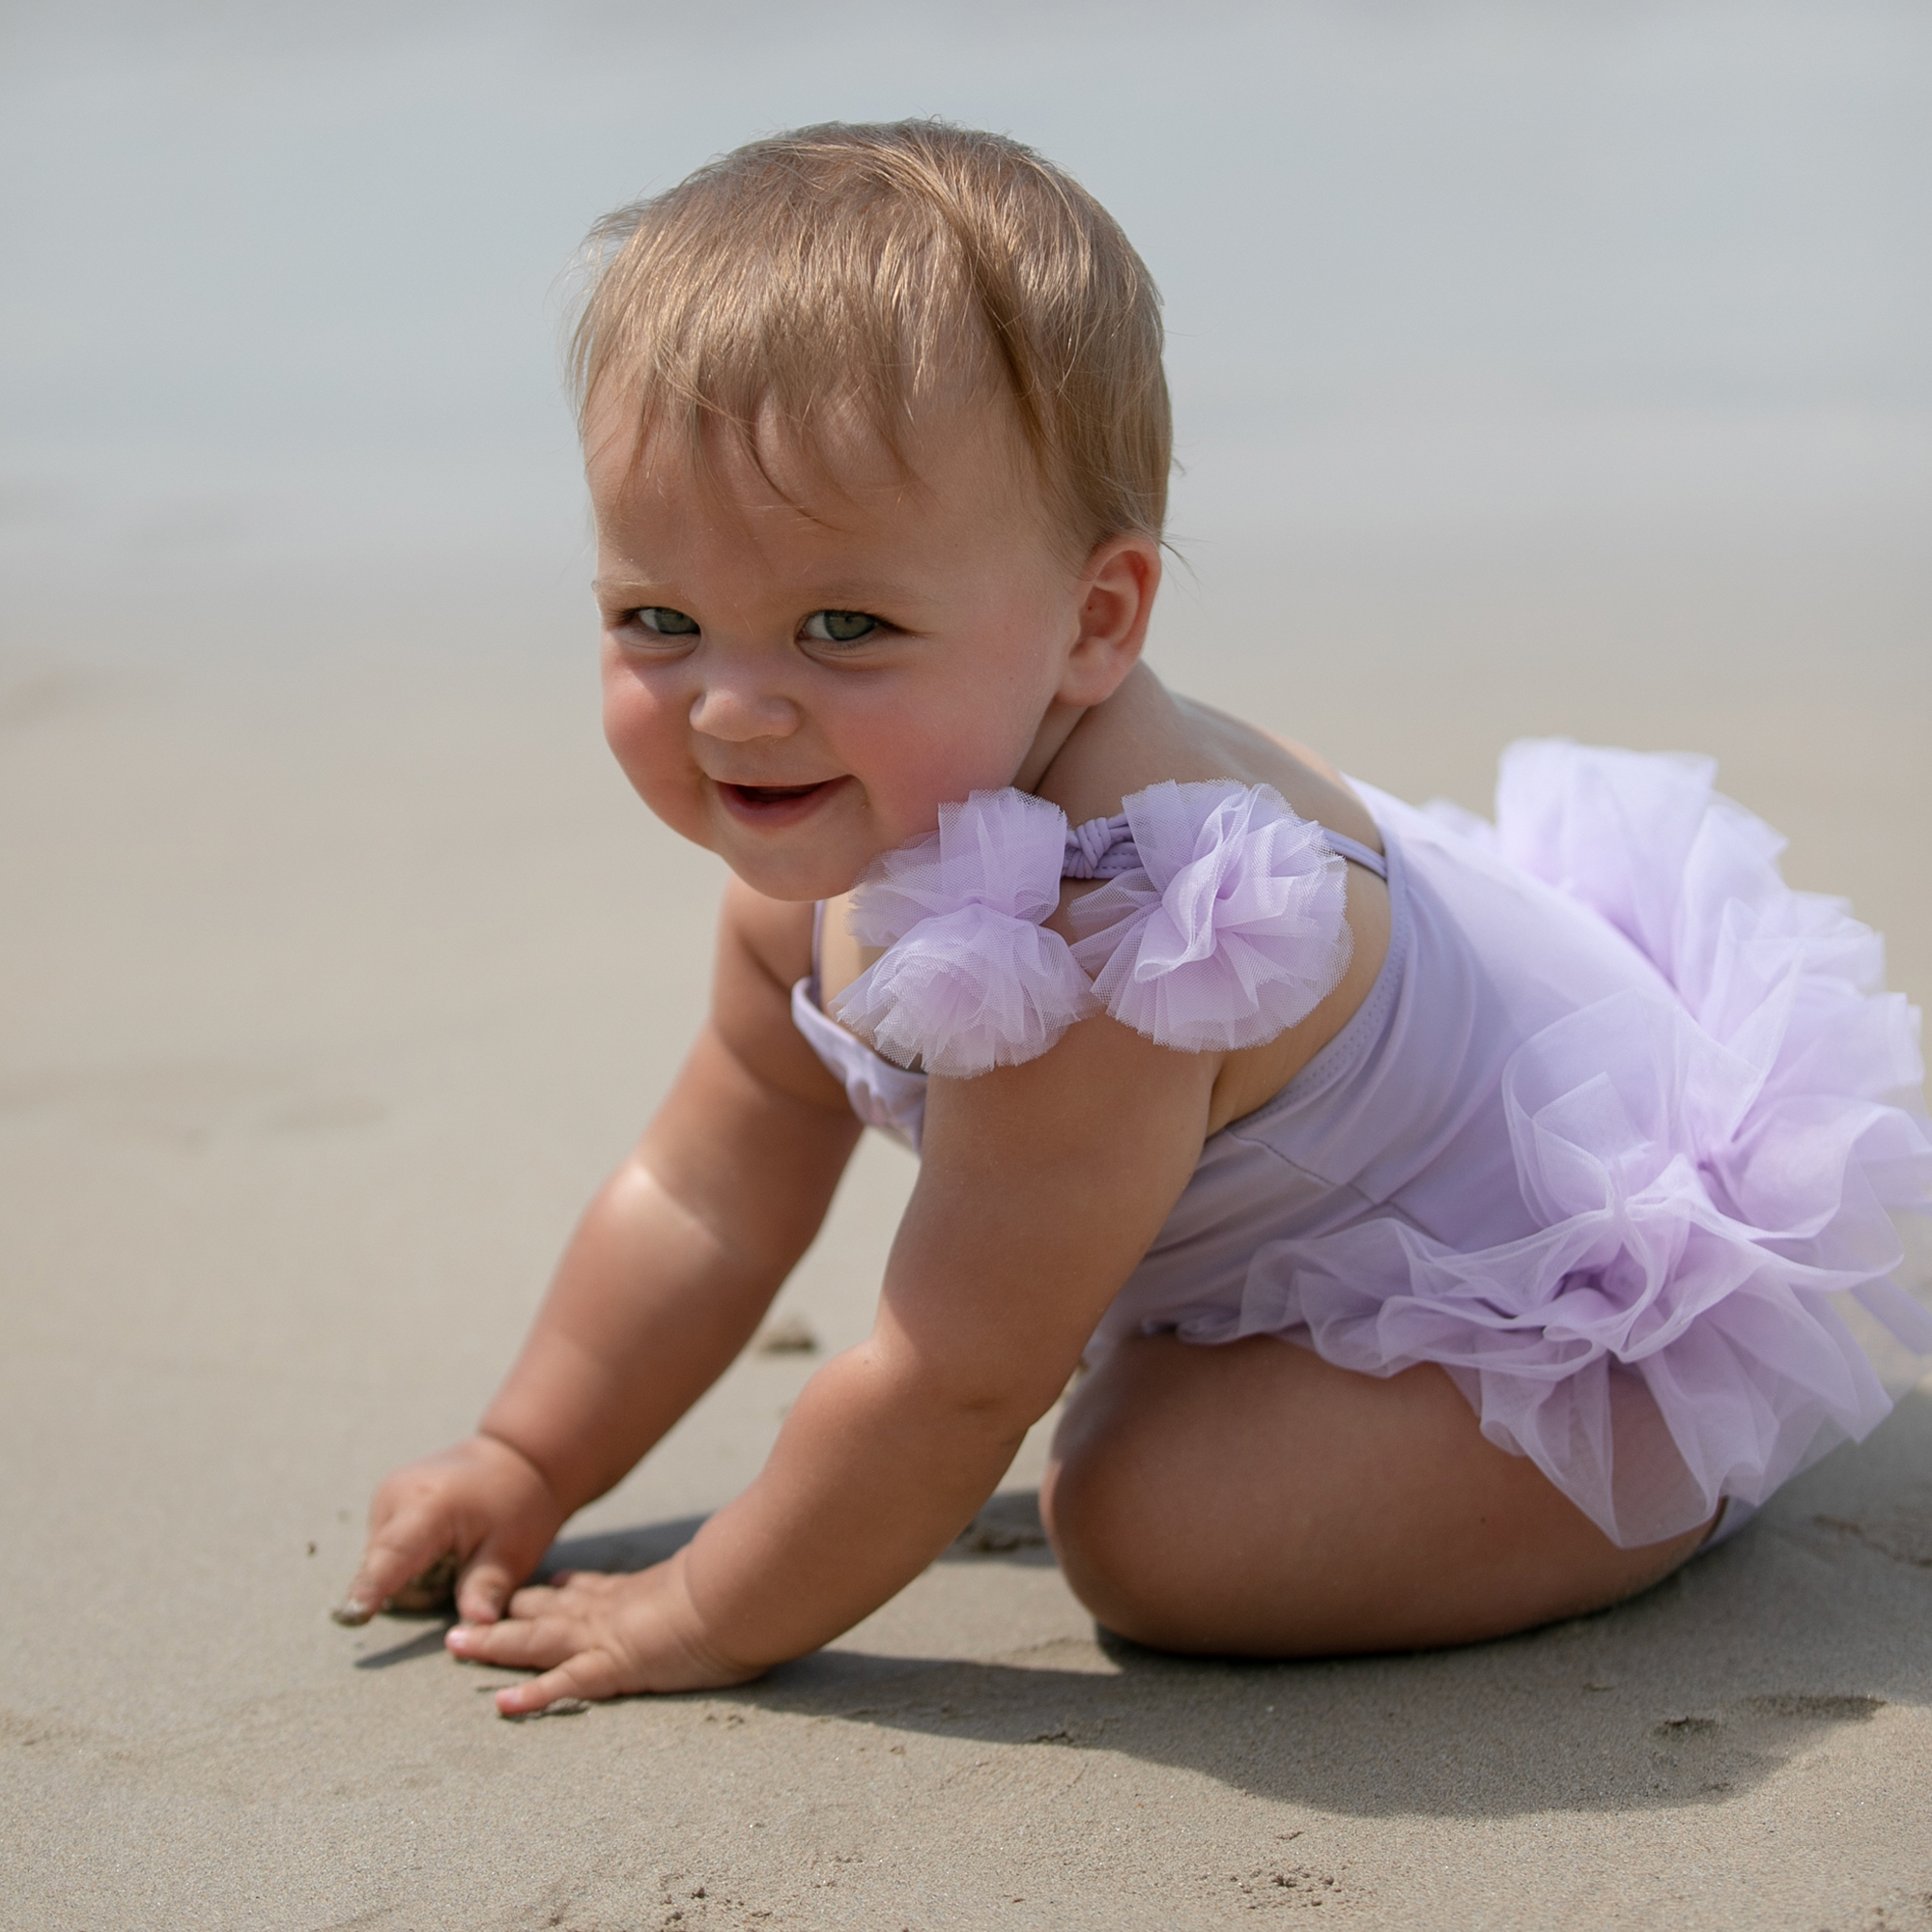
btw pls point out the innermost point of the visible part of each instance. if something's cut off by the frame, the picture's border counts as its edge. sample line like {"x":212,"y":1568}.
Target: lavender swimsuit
{"x":1620,"y":1116}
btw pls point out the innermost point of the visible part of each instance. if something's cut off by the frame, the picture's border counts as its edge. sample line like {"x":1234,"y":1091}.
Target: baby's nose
{"x":738,"y":711}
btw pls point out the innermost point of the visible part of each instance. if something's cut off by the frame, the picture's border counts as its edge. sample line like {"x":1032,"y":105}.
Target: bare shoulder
{"x":1314,"y":787}
{"x":1145,"y":736}
{"x":764,"y":948}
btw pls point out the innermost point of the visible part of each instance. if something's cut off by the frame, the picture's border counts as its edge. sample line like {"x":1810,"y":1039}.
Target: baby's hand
{"x":600,"y":1637}
{"x":480,"y":1504}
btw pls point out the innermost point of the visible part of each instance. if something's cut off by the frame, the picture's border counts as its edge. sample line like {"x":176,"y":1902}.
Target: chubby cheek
{"x":906,"y":790}
{"x":644,"y":730}
{"x":913,"y":759}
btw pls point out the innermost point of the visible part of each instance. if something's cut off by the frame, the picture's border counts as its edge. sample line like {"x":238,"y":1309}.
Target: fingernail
{"x":558,"y":1707}
{"x":351,"y":1610}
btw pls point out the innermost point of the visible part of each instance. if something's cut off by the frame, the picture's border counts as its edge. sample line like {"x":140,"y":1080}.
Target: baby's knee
{"x":1106,"y":1515}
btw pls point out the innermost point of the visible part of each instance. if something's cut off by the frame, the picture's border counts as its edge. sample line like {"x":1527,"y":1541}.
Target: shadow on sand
{"x":1816,"y":1618}
{"x":1008,"y":1528}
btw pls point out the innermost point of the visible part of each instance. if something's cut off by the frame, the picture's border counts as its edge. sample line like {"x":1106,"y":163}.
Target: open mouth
{"x":776,"y":802}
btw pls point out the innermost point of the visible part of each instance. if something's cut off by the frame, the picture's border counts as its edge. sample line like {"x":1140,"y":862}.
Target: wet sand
{"x":339,"y":975}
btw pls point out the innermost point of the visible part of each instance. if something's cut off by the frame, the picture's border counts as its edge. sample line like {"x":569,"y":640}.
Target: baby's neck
{"x":1094,"y":759}
{"x":1050,"y":741}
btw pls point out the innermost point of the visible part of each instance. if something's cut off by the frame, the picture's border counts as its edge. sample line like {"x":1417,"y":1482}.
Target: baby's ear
{"x":1117,"y":599}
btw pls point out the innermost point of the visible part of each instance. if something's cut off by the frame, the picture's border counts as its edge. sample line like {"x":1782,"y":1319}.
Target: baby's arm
{"x":1041,"y":1188}
{"x":668,"y":1272}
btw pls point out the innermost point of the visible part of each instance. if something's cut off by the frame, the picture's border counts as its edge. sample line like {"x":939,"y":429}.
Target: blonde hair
{"x":844,"y":266}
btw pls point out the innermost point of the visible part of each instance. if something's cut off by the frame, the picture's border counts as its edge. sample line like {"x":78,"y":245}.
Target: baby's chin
{"x":810,"y":842}
{"x":803,"y":843}
{"x":800,"y":869}
{"x":790,"y":888}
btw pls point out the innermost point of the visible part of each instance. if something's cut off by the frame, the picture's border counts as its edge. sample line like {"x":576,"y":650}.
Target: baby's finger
{"x":402,"y":1548}
{"x":591,"y":1674}
{"x":433,"y":1590}
{"x":534,"y":1599}
{"x":520,"y":1644}
{"x":484,"y":1588}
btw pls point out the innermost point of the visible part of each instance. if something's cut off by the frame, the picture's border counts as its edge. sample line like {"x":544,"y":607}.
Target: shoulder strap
{"x":1357,"y":854}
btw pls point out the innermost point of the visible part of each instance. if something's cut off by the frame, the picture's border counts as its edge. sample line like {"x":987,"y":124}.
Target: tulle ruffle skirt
{"x":1711,"y":1159}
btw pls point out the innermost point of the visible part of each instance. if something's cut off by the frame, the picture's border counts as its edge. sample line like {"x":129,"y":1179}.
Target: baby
{"x":1446,"y":1212}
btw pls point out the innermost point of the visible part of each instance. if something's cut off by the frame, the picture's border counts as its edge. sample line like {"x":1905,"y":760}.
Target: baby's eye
{"x":667,"y":623}
{"x":839,"y":627}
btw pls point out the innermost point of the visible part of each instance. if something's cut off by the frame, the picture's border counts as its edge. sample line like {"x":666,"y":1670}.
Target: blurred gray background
{"x":1460,"y":296}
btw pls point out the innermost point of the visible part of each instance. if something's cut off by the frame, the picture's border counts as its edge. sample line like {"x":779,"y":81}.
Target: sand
{"x":339,"y":970}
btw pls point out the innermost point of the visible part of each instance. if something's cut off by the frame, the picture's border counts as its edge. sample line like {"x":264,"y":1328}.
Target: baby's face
{"x":798,"y":677}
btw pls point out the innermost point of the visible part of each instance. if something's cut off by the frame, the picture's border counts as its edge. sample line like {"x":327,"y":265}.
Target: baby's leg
{"x":1252,"y":1499}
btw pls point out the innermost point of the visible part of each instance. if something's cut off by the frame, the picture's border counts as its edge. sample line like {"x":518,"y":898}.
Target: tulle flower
{"x":969,"y":978}
{"x":1221,"y":925}
{"x":1230,"y":930}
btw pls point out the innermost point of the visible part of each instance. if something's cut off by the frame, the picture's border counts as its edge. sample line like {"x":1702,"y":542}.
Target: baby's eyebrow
{"x":874,"y":590}
{"x":828,"y":596}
